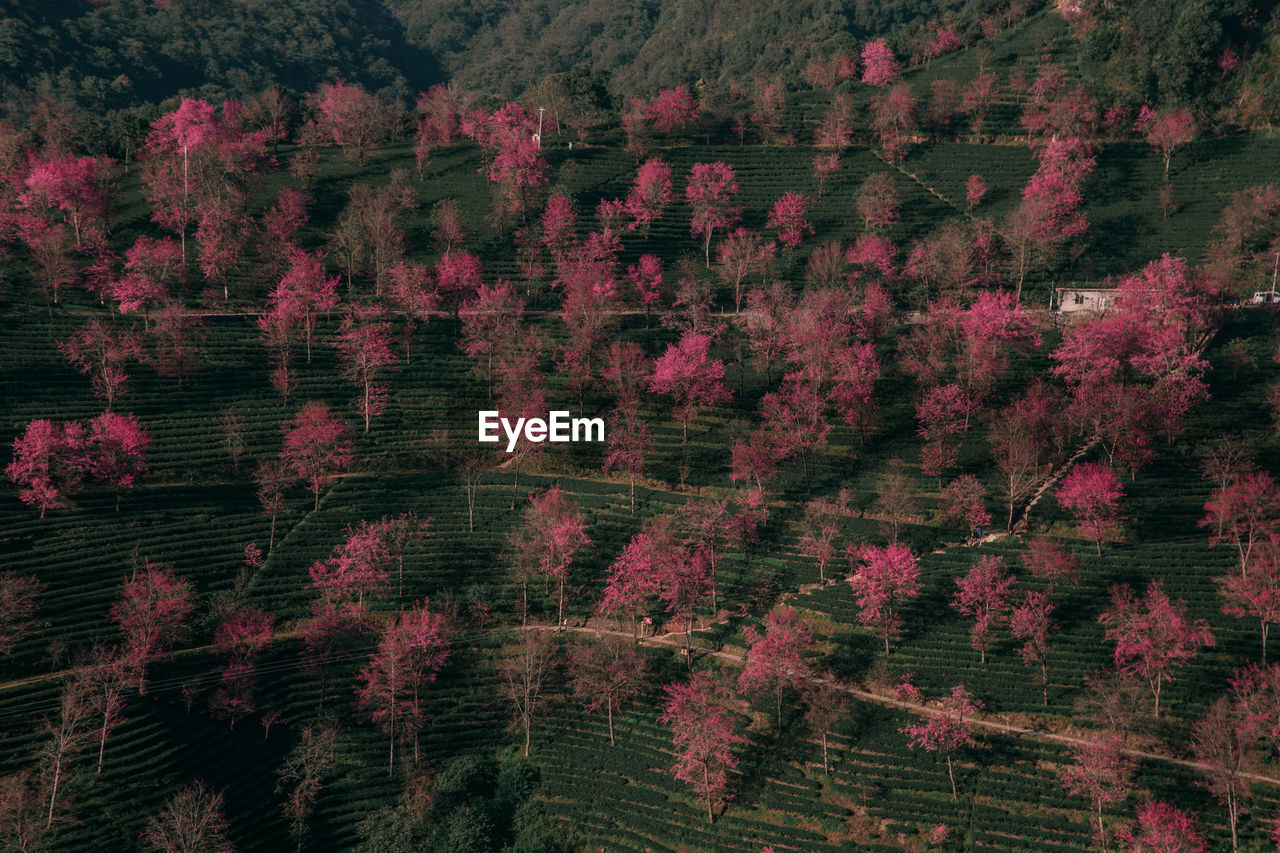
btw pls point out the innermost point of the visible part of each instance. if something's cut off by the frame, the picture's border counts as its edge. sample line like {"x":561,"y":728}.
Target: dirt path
{"x":737,"y":656}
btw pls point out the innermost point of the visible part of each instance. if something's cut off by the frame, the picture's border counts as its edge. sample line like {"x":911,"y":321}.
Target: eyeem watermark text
{"x":558,"y":427}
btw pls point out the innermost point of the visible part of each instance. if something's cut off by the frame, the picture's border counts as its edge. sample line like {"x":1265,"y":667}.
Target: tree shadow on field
{"x":853,"y":655}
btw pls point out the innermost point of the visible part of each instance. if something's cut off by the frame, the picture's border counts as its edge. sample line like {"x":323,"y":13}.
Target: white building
{"x":1092,"y":300}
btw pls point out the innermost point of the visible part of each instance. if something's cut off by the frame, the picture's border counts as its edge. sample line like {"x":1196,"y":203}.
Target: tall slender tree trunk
{"x":1232,"y":809}
{"x":609,"y":706}
{"x":560,"y":609}
{"x":706,"y":785}
{"x":952,"y":776}
{"x":53,"y":796}
{"x":102,"y":738}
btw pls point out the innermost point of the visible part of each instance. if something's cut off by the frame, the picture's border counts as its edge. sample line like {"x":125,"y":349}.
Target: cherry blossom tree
{"x":413,"y":295}
{"x":281,"y":223}
{"x":520,"y":394}
{"x":645,"y":278}
{"x":1244,"y":512}
{"x":793,"y":420}
{"x":1257,"y":594}
{"x":963,"y":501}
{"x":1225,"y":742}
{"x":787,"y":216}
{"x":742,"y":253}
{"x":650,"y":194}
{"x":684,"y":586}
{"x":636,"y":577}
{"x":946,"y":730}
{"x":196,"y":165}
{"x":687,"y":372}
{"x":879,"y":66}
{"x":767,"y":103}
{"x":301,"y":775}
{"x":412,"y":650}
{"x":1051,"y":562}
{"x":270,"y":479}
{"x":825,"y":702}
{"x":151,"y":613}
{"x":819,"y":529}
{"x":1166,"y":131}
{"x":1030,"y":622}
{"x":241,"y":636}
{"x":107,"y":676}
{"x":515,"y":166}
{"x":984,"y":594}
{"x":672,"y":110}
{"x":357,"y":569}
{"x":18,"y":594}
{"x":893,"y":118}
{"x":48,"y":464}
{"x":552,"y":534}
{"x":116,"y":450}
{"x":977,"y":97}
{"x":296,"y":302}
{"x":626,"y":446}
{"x":703,"y":732}
{"x":68,"y":732}
{"x":606,"y":675}
{"x":824,"y":166}
{"x":364,"y":349}
{"x":50,"y":246}
{"x":368,"y":235}
{"x":857,"y":370}
{"x":975,"y":189}
{"x":443,"y":108}
{"x":191,"y":820}
{"x":1161,"y":828}
{"x":317,"y":446}
{"x":1054,"y":112}
{"x":175,"y":342}
{"x":526,"y":663}
{"x":458,"y":277}
{"x":1091,"y":493}
{"x":103,"y":355}
{"x":896,"y":500}
{"x":878,"y":201}
{"x":710,"y":192}
{"x":76,"y":187}
{"x":943,"y":415}
{"x":348,"y":116}
{"x":400,"y":534}
{"x":489,"y":321}
{"x":883,"y":580}
{"x":1153,"y":635}
{"x":1103,"y":774}
{"x":776,"y":658}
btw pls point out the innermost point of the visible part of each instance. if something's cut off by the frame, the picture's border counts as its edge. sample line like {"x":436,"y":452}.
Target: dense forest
{"x":1217,"y":55}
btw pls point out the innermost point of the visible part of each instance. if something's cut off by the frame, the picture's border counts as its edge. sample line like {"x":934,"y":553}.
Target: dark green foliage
{"x":121,"y":52}
{"x":1157,"y":52}
{"x":478,"y":806}
{"x":390,"y":830}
